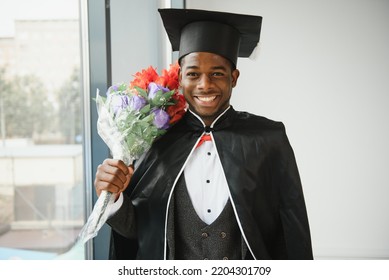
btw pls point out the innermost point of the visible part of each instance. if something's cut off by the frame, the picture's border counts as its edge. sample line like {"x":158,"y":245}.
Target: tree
{"x":70,"y":108}
{"x":26,"y":106}
{"x":5,"y":88}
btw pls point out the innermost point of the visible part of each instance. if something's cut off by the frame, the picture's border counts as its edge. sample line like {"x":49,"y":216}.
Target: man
{"x":237,"y":196}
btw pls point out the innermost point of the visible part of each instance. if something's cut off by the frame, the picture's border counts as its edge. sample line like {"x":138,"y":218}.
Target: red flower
{"x":142,"y":79}
{"x":178,"y":110}
{"x":169,"y":78}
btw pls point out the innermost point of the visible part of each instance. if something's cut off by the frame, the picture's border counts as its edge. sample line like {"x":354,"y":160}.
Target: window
{"x":41,"y":136}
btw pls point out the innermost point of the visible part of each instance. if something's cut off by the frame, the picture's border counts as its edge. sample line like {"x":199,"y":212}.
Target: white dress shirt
{"x":206,"y":183}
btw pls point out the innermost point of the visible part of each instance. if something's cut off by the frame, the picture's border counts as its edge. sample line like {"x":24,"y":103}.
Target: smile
{"x":206,"y":98}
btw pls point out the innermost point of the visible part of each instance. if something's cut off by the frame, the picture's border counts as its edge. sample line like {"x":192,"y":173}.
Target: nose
{"x":204,"y":83}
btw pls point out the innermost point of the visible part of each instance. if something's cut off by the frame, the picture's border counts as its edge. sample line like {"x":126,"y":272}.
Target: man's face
{"x":207,"y":81}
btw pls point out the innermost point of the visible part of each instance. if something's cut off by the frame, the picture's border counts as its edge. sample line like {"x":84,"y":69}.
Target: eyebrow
{"x":219,"y":68}
{"x":192,"y":67}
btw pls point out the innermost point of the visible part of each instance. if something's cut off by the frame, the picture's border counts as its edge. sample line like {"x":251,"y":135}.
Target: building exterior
{"x":41,"y":191}
{"x":47,"y":49}
{"x":7,"y":54}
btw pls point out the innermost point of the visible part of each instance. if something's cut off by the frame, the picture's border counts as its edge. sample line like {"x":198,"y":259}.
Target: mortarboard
{"x":226,"y":34}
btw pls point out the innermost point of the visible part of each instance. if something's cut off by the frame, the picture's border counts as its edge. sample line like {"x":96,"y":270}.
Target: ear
{"x":179,"y":77}
{"x":235,"y":75}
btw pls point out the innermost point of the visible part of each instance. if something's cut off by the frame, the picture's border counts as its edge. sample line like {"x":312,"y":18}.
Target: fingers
{"x":130,"y":170}
{"x":113,"y":176}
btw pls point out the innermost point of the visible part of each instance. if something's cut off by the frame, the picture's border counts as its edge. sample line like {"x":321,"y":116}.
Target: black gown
{"x":262,"y":176}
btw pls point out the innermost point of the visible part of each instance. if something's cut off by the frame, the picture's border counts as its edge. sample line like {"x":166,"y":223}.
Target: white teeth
{"x":206,"y":98}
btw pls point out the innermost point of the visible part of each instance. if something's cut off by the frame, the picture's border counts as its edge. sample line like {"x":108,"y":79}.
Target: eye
{"x":191,"y":74}
{"x":218,"y":74}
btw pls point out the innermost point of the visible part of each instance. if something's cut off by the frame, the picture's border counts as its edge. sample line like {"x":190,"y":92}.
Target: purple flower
{"x":118,"y":102}
{"x":161,"y":119}
{"x":137,"y":102}
{"x":153,"y":88}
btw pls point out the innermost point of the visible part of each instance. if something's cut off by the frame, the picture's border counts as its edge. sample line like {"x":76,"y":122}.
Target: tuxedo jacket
{"x":263,"y":180}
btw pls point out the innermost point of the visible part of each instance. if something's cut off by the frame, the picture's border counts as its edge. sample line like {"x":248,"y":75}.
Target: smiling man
{"x":207,"y":81}
{"x":220,"y":184}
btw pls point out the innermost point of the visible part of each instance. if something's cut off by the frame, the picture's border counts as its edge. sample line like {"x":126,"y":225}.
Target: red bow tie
{"x":205,"y":137}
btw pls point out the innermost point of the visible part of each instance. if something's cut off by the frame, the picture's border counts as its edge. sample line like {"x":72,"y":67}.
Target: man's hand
{"x":113,"y":176}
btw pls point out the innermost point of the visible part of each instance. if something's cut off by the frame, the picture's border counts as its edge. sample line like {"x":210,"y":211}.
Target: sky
{"x":34,"y":9}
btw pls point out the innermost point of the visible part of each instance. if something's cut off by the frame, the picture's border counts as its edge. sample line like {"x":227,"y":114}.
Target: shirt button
{"x":208,"y":181}
{"x":225,"y":258}
{"x":204,"y":235}
{"x":223,"y":234}
{"x":209,"y":153}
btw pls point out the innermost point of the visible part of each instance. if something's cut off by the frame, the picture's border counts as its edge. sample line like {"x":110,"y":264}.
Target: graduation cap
{"x":226,"y":34}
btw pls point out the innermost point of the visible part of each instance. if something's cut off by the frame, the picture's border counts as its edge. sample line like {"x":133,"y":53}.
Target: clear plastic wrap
{"x":109,"y":132}
{"x":130,"y":118}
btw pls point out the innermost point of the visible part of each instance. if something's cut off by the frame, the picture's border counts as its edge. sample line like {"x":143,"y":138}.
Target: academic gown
{"x":263,"y":180}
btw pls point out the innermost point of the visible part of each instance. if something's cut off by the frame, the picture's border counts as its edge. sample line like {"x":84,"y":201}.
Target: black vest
{"x":195,"y":240}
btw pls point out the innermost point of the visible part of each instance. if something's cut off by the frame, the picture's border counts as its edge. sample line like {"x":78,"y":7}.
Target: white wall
{"x":323,"y":70}
{"x":138,"y":39}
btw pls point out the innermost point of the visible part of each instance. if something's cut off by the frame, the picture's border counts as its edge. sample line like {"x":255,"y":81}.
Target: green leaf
{"x":122,"y":87}
{"x":162,"y":98}
{"x":146,"y":109}
{"x":141,"y":92}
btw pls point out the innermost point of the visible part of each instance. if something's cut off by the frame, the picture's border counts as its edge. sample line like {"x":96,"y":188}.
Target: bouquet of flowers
{"x":131,"y":117}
